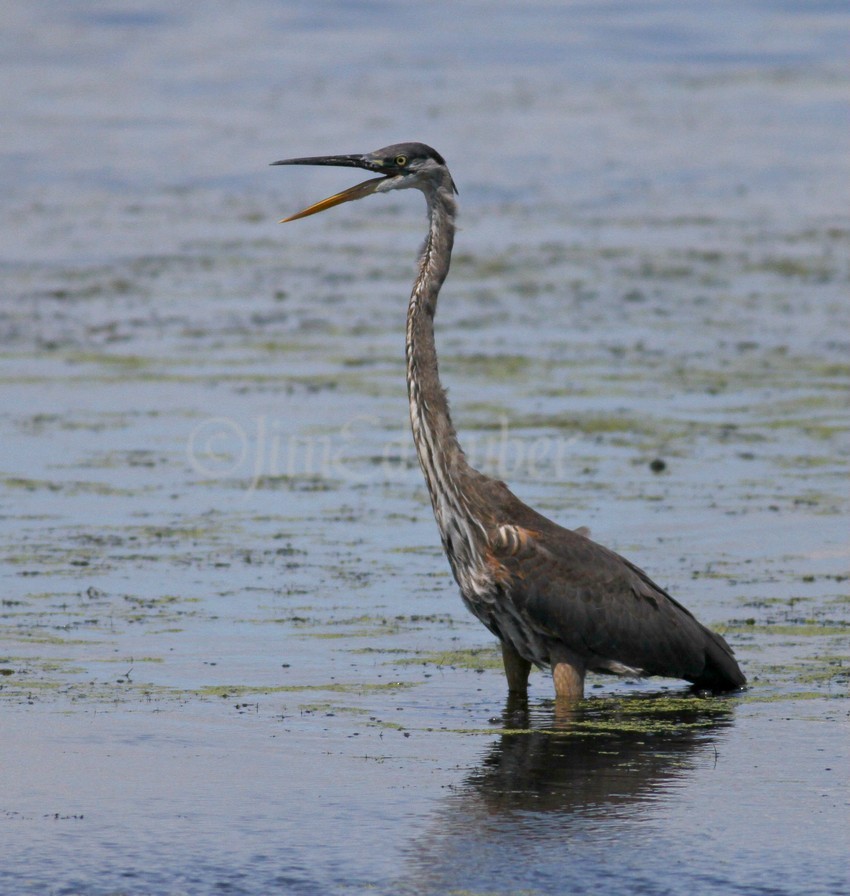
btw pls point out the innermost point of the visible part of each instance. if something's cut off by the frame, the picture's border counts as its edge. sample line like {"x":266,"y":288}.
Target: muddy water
{"x":231,"y":656}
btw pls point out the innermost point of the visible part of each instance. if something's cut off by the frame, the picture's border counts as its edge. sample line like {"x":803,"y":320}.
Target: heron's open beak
{"x":365,"y":189}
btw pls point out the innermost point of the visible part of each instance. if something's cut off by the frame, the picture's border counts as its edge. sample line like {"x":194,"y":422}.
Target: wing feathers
{"x":602,"y":606}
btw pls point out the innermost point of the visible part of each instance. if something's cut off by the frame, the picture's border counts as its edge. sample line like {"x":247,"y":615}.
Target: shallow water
{"x":231,"y":655}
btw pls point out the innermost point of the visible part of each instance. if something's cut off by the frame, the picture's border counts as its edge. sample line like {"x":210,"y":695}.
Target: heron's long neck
{"x":440,"y":455}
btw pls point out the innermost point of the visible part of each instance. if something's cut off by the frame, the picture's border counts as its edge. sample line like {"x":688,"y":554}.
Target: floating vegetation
{"x":477,"y":658}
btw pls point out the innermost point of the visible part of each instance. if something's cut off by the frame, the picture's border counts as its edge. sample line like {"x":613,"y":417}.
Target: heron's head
{"x":401,"y":166}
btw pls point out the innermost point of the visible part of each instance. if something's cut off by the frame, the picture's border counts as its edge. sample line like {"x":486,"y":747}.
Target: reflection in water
{"x":560,"y":779}
{"x":601,"y":755}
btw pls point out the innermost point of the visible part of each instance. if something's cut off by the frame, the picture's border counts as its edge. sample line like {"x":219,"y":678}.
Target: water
{"x":231,"y":655}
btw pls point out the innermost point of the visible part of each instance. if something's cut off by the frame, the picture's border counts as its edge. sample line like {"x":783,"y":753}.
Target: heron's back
{"x":550,"y":587}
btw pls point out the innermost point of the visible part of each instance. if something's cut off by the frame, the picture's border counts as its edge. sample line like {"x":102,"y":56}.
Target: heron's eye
{"x":400,"y":161}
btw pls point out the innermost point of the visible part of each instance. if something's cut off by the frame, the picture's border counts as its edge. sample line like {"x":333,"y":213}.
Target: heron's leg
{"x":567,"y":674}
{"x":516,"y":670}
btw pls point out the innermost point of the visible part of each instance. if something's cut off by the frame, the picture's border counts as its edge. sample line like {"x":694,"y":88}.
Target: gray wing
{"x":605,"y":608}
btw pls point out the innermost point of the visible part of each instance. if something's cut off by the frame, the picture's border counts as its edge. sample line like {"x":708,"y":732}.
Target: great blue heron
{"x":550,"y":595}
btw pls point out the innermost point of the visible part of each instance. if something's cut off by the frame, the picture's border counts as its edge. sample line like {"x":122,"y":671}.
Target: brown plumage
{"x":552,"y":596}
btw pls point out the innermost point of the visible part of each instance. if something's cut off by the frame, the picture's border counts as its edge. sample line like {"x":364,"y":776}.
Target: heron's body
{"x":550,"y":595}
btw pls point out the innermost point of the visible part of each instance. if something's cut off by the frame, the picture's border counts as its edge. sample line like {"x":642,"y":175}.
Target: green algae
{"x":73,"y":487}
{"x":811,"y":629}
{"x":477,"y":659}
{"x":359,"y":689}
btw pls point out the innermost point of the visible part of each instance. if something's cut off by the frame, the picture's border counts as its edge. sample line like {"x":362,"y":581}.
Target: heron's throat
{"x":442,"y":460}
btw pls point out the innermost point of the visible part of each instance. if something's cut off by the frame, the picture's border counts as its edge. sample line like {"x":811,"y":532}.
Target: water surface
{"x":231,"y":654}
